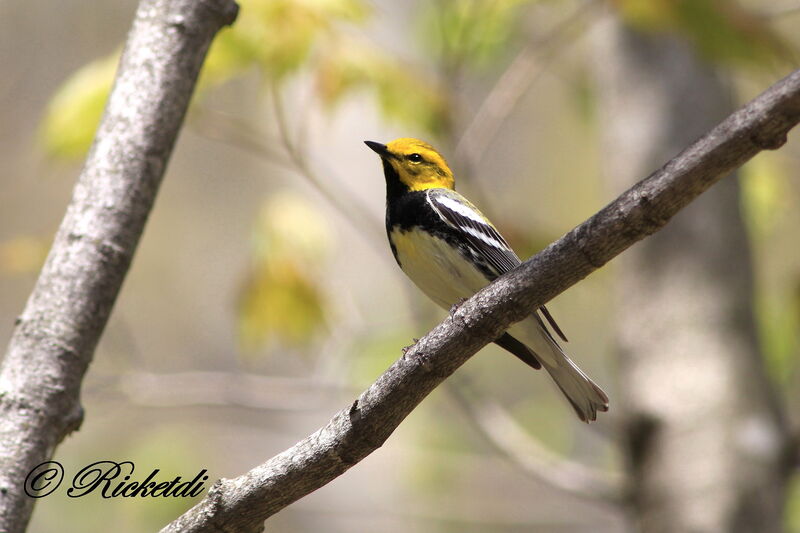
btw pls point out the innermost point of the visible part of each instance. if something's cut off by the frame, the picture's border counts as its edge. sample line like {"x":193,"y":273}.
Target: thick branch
{"x":54,"y":340}
{"x":242,"y":504}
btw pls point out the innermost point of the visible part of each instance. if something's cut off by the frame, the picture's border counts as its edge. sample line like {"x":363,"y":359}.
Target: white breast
{"x":436,"y":268}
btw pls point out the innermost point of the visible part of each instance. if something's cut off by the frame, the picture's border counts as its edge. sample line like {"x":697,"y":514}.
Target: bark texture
{"x":56,"y":334}
{"x":707,"y":443}
{"x":243,"y":503}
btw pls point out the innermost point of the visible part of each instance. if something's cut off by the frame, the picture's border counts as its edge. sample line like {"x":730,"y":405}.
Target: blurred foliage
{"x":766,"y":199}
{"x":23,"y":254}
{"x":764,"y":193}
{"x":278,"y":39}
{"x":793,"y":505}
{"x":75,"y":110}
{"x":778,"y":318}
{"x":402,"y":94}
{"x":282,"y":298}
{"x":278,"y":35}
{"x":583,"y":98}
{"x":470,"y":32}
{"x":721,"y":30}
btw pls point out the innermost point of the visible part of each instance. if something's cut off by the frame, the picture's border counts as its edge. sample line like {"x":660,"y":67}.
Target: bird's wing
{"x":482,"y":236}
{"x":474,"y":228}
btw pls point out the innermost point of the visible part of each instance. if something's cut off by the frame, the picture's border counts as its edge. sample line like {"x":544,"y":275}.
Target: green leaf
{"x":75,"y":111}
{"x":280,"y":303}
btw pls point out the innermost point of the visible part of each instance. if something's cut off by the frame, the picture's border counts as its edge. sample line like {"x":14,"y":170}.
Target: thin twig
{"x":345,"y":204}
{"x":224,"y":127}
{"x":533,"y":458}
{"x":242,"y":134}
{"x":229,"y":389}
{"x":526,"y":67}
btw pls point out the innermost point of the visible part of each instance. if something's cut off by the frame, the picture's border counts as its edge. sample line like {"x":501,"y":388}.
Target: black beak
{"x":378,"y":148}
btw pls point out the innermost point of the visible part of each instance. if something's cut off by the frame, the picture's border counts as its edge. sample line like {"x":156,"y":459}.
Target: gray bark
{"x":708,"y":446}
{"x":243,"y":503}
{"x":55,"y":336}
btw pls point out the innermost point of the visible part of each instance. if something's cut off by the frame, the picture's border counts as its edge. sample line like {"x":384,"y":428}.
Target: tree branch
{"x":243,"y":503}
{"x":55,"y":337}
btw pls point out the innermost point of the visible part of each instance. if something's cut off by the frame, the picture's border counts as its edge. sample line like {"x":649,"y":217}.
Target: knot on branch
{"x":362,"y":439}
{"x":645,"y":218}
{"x":582,"y":236}
{"x":354,"y":413}
{"x":225,"y":11}
{"x":73,"y":420}
{"x":771,"y":141}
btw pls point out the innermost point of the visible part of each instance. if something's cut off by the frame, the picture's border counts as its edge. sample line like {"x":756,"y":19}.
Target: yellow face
{"x":418,"y":165}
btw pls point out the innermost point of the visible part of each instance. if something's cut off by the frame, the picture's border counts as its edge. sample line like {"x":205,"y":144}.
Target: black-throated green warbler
{"x":450,"y":251}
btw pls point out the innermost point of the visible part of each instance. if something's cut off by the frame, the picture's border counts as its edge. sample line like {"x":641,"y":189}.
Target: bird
{"x":450,"y":251}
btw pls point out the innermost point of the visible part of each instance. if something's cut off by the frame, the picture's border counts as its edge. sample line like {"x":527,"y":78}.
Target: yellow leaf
{"x":75,"y":110}
{"x":282,"y":298}
{"x":279,"y":303}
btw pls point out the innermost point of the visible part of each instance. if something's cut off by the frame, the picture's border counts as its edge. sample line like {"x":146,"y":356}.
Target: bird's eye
{"x":415,"y":158}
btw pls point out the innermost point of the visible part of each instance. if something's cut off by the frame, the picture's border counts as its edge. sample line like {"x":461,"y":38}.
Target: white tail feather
{"x":585,"y":396}
{"x":583,"y":393}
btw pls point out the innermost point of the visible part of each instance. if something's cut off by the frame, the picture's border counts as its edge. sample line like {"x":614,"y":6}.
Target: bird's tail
{"x":585,"y":396}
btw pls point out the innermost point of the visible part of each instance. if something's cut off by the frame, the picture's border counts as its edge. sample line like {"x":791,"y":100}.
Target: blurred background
{"x":263,"y":297}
